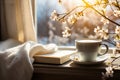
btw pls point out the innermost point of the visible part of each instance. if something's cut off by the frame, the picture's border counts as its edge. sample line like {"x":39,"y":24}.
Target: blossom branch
{"x":111,"y":42}
{"x":115,"y":59}
{"x":100,"y":13}
{"x":117,"y":4}
{"x":69,"y":12}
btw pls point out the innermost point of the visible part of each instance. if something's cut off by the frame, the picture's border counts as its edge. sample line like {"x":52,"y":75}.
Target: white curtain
{"x":19,"y":20}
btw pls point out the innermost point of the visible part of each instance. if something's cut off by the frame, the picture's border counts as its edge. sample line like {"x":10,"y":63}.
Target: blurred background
{"x":49,"y":31}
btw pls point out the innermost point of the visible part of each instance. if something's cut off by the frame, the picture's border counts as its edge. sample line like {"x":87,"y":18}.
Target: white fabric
{"x":19,"y":20}
{"x":16,"y":62}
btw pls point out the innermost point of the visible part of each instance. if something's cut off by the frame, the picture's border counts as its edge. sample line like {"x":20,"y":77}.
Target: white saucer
{"x":100,"y":59}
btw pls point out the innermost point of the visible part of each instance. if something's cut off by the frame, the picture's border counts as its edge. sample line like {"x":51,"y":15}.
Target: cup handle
{"x":105,"y":50}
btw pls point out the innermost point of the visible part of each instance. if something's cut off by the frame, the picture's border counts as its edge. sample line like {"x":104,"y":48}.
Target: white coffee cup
{"x":89,"y":49}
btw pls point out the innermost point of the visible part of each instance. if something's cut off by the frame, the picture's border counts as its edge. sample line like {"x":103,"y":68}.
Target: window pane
{"x":49,"y":31}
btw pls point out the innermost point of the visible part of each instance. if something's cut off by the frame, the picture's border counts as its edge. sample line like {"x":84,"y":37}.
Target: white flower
{"x":96,"y":30}
{"x":117,"y":30}
{"x":102,"y":33}
{"x":109,"y":71}
{"x":117,"y":33}
{"x":116,"y":13}
{"x":105,"y":21}
{"x":54,"y":15}
{"x":66,"y":32}
{"x":72,"y":19}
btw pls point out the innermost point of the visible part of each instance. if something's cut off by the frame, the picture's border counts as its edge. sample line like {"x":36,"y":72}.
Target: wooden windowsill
{"x":72,"y":71}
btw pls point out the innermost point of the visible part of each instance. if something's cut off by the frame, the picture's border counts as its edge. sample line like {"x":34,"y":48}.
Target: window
{"x":49,"y":31}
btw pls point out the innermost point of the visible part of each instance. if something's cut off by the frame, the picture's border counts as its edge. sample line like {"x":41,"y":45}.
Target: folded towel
{"x":16,"y":59}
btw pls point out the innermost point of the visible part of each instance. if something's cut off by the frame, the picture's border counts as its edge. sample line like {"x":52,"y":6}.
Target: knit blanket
{"x":16,"y":59}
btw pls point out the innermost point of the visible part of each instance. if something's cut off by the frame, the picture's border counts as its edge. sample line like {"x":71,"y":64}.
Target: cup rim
{"x":86,"y":40}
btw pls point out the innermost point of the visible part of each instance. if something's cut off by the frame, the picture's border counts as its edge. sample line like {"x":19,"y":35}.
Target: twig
{"x":115,"y":59}
{"x":118,"y":4}
{"x":69,"y":12}
{"x":100,"y":13}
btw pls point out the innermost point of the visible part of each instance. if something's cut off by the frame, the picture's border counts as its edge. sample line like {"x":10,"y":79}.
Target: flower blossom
{"x":116,"y":13}
{"x":66,"y":32}
{"x":101,"y":33}
{"x":54,"y":15}
{"x":117,"y":33}
{"x":117,"y":30}
{"x":109,"y":71}
{"x":104,"y":33}
{"x":96,"y":30}
{"x":72,"y":19}
{"x":105,"y":21}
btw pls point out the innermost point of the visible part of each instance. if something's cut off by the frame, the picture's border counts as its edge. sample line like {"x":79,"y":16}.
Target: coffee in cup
{"x":89,"y":49}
